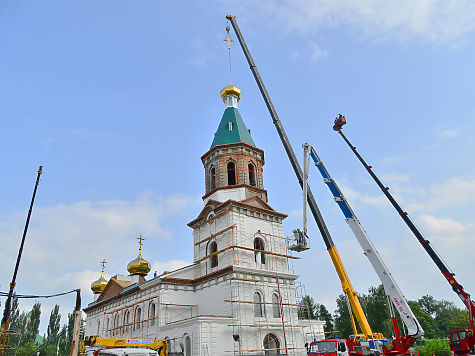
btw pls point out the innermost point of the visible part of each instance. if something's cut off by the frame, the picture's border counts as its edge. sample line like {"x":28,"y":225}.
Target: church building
{"x":239,"y":295}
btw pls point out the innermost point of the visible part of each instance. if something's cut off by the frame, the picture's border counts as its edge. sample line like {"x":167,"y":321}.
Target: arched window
{"x":107,"y":327}
{"x":187,"y":345}
{"x":252,"y":175}
{"x":258,"y":305}
{"x":212,"y":178}
{"x":271,"y":344}
{"x":231,"y":173}
{"x":275,"y":306}
{"x":213,"y":247}
{"x":259,"y":246}
{"x":126,"y":321}
{"x":151,"y":314}
{"x":98,"y":327}
{"x":115,"y":326}
{"x":138,"y":317}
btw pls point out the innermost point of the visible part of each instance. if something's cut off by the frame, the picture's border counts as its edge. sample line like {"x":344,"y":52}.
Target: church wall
{"x":208,"y":305}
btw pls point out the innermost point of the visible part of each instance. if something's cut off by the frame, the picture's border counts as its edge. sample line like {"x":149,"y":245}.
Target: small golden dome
{"x":98,"y":286}
{"x":231,"y":90}
{"x":139,"y":266}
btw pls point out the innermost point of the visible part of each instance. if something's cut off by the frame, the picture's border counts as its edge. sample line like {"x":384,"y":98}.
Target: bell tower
{"x":233,"y":164}
{"x":236,"y":228}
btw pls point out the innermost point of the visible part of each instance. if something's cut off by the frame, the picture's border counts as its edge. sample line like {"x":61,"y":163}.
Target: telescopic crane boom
{"x":6,"y":312}
{"x":462,"y":342}
{"x":331,"y":248}
{"x":402,"y":343}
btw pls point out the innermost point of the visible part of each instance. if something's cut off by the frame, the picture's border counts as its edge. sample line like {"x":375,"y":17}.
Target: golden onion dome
{"x":139,"y":266}
{"x":98,"y":286}
{"x":231,"y":90}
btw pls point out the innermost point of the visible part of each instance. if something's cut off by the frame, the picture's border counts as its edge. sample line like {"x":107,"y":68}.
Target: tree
{"x":17,"y":322}
{"x":429,"y":304}
{"x":27,"y":349}
{"x":33,"y":323}
{"x":448,"y":317}
{"x":342,"y":318}
{"x":54,"y":323}
{"x":67,"y":337}
{"x":63,"y":341}
{"x":14,"y":313}
{"x":308,"y":308}
{"x":325,"y":315}
{"x":425,"y":319}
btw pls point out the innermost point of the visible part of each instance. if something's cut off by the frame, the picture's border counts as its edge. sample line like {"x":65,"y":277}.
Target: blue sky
{"x":119,"y":100}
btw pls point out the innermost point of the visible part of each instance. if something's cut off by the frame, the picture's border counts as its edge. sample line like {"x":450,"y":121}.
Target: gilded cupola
{"x":98,"y":286}
{"x":139,"y":266}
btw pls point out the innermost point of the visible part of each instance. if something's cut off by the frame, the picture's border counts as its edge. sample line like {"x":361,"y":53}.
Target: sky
{"x":119,"y":99}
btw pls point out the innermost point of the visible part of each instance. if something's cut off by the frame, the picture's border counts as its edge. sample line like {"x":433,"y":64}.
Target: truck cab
{"x":461,"y":342}
{"x":332,"y":347}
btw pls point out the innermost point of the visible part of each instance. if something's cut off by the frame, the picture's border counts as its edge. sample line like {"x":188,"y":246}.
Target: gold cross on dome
{"x":103,"y":263}
{"x":140,"y":238}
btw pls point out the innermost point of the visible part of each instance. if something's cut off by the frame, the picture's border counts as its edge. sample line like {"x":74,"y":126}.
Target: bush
{"x":439,"y":347}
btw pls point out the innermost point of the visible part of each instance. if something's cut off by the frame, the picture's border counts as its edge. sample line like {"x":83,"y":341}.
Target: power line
{"x":5,"y":294}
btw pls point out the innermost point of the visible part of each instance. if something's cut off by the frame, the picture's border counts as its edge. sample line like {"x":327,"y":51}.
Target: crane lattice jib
{"x":391,"y":288}
{"x":364,"y":325}
{"x":449,"y":276}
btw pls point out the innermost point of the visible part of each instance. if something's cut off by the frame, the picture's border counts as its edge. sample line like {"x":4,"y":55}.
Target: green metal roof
{"x":238,"y":132}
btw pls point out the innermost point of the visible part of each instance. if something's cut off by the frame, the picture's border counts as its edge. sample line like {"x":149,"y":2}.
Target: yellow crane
{"x":331,"y":248}
{"x":159,"y":345}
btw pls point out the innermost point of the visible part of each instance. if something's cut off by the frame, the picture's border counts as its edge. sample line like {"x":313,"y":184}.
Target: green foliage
{"x":377,"y":310}
{"x":342,"y":318}
{"x":439,"y":317}
{"x":324,"y":314}
{"x":429,"y":304}
{"x":33,"y":323}
{"x":27,"y":349}
{"x":64,"y":346}
{"x":425,"y":319}
{"x":439,"y":347}
{"x":54,"y":322}
{"x":308,"y":308}
{"x":448,"y":317}
{"x":49,"y":350}
{"x":17,"y":323}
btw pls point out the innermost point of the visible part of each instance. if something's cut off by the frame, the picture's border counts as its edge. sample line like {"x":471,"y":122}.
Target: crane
{"x":5,"y":323}
{"x":401,"y":344}
{"x":159,"y":345}
{"x":462,"y":342}
{"x":331,"y":248}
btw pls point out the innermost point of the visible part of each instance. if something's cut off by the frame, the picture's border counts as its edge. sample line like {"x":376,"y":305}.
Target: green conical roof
{"x":238,"y":132}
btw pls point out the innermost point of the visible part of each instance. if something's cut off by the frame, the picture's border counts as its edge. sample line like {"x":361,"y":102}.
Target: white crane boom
{"x":391,"y":288}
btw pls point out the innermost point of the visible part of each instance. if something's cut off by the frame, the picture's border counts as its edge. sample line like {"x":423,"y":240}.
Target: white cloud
{"x":455,"y":192}
{"x":449,"y":134}
{"x":433,"y":21}
{"x":437,"y":226}
{"x":296,"y":213}
{"x":395,"y":178}
{"x":392,"y":159}
{"x":65,"y":242}
{"x":317,"y":52}
{"x":168,"y":266}
{"x":378,"y":201}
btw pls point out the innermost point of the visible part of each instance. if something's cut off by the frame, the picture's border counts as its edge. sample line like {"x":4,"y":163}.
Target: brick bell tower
{"x":233,"y":164}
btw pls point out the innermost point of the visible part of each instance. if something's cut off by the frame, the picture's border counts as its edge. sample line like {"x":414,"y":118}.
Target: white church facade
{"x":239,"y":295}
